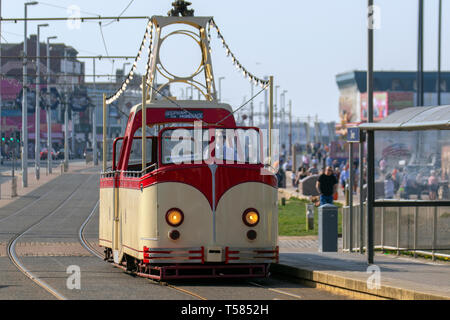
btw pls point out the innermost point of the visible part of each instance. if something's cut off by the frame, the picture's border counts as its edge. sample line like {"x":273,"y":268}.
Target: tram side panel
{"x":132,"y":217}
{"x":106,"y":214}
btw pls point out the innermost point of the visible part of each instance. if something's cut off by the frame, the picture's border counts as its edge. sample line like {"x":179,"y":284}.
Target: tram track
{"x":11,"y":251}
{"x":88,"y":246}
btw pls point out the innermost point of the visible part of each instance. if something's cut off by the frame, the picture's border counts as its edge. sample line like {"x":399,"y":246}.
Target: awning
{"x":416,"y":118}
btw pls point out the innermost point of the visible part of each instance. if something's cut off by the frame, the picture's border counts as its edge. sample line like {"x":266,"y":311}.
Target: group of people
{"x":403,"y":183}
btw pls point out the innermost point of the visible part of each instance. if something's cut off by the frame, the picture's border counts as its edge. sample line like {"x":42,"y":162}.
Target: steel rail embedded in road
{"x":91,"y":249}
{"x":15,"y":260}
{"x":83,"y":240}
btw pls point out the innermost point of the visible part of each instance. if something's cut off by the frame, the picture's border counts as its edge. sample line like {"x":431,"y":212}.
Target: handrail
{"x":135,"y":173}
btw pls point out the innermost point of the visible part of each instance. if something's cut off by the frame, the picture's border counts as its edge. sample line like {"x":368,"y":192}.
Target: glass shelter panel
{"x":412,"y":165}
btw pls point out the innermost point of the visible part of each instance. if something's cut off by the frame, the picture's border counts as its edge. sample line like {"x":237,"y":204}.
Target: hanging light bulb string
{"x":122,"y":88}
{"x":149,"y":72}
{"x":252,"y":78}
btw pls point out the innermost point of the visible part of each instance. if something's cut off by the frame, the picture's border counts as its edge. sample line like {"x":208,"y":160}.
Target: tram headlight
{"x":174,"y":217}
{"x":250,"y":217}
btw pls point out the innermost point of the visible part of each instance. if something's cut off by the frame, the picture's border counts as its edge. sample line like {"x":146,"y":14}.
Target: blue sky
{"x":304,"y":44}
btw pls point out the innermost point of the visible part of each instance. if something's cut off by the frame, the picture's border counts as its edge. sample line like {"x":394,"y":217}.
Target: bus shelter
{"x":411,"y":198}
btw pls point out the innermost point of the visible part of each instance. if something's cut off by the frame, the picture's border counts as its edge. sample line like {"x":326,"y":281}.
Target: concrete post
{"x":309,"y":216}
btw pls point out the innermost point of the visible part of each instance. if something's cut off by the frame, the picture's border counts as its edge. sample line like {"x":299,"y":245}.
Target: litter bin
{"x":328,"y":228}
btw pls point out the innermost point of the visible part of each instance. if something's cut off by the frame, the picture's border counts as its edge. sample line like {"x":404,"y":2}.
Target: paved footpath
{"x":400,"y":277}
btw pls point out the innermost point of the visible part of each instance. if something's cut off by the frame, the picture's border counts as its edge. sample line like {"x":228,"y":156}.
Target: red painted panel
{"x":228,"y":176}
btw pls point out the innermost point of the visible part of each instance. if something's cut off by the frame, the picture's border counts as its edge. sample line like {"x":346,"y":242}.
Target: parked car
{"x":44,"y":153}
{"x":60,"y":154}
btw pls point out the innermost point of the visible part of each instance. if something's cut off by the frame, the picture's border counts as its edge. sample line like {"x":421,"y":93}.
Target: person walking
{"x":327,"y":186}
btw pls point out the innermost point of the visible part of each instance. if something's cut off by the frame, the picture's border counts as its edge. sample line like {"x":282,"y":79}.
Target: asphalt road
{"x":45,"y":225}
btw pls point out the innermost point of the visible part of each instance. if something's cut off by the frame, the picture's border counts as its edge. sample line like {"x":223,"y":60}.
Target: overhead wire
{"x":120,"y":15}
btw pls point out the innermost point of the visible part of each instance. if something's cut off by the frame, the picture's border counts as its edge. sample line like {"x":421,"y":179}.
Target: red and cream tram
{"x":198,"y":212}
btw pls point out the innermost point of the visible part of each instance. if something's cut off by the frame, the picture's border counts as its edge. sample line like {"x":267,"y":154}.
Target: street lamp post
{"x":24,"y":101}
{"x":123,"y":68}
{"x":220,"y":88}
{"x":49,"y":115}
{"x":37,"y":127}
{"x":276,"y":106}
{"x":94,"y":124}
{"x":282,"y":113}
{"x":66,"y":116}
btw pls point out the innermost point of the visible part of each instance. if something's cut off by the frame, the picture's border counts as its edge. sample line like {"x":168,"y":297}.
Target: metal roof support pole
{"x":370,"y":141}
{"x":144,"y":124}
{"x":361,"y":191}
{"x":350,"y":184}
{"x":104,"y":132}
{"x":270,"y":116}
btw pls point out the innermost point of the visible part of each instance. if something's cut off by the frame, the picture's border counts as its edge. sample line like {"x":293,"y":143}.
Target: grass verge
{"x":292,"y":218}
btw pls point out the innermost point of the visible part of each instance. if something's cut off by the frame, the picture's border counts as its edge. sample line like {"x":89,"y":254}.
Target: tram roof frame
{"x":413,"y":119}
{"x":180,"y":104}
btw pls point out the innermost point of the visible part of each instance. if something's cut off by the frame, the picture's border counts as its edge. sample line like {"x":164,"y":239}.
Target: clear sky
{"x":302,"y":43}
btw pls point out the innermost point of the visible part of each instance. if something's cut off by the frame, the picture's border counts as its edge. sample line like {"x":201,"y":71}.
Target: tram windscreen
{"x":231,"y":146}
{"x":412,"y":165}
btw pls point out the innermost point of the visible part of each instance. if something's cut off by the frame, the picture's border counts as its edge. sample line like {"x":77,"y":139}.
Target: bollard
{"x":310,"y":216}
{"x":347,"y":195}
{"x":283,"y":201}
{"x":14,"y":187}
{"x":62,"y":167}
{"x":328,"y":228}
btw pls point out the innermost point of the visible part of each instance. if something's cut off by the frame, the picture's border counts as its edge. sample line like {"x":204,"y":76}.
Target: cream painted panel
{"x":147,"y":223}
{"x":231,"y":230}
{"x":129,"y":212}
{"x":106,"y":216}
{"x":196,"y":229}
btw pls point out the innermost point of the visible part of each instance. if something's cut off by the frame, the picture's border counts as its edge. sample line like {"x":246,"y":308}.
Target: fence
{"x":424,"y":230}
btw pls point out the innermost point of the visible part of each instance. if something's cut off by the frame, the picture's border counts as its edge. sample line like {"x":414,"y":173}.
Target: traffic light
{"x":18,"y":136}
{"x":3,"y":137}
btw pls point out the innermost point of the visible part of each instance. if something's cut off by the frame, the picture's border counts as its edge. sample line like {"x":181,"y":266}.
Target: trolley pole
{"x":104,"y":133}
{"x":144,"y":123}
{"x":251,"y":106}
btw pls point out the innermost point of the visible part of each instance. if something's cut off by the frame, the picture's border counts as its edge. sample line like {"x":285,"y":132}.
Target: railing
{"x":128,"y":174}
{"x":422,"y":230}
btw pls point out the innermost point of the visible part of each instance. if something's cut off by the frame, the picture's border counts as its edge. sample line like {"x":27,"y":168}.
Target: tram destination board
{"x":182,"y":114}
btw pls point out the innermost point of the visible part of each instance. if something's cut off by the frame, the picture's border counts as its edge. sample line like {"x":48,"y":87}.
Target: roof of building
{"x":416,"y":118}
{"x":383,"y":80}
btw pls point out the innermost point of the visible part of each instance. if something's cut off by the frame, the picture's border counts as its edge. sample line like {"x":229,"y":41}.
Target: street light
{"x":49,"y":116}
{"x":276,"y":105}
{"x":282,"y":113}
{"x":37,"y":127}
{"x":24,"y":101}
{"x":220,"y":88}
